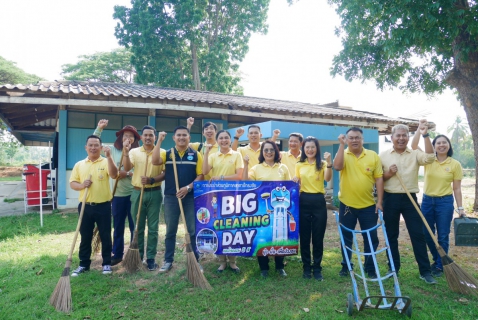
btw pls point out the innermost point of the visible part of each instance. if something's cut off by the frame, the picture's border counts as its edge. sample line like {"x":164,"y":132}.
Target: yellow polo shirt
{"x":289,"y":160}
{"x":253,"y":155}
{"x":137,"y":156}
{"x":439,"y":177}
{"x":195,"y":146}
{"x":408,"y":163}
{"x":357,"y":178}
{"x":181,"y":154}
{"x":99,"y":191}
{"x":225,"y":164}
{"x":311,"y":180}
{"x":264,"y":172}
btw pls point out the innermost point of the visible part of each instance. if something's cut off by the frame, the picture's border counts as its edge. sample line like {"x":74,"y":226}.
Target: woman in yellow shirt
{"x":442,"y":182}
{"x":268,"y":169}
{"x":310,"y":173}
{"x":225,"y":164}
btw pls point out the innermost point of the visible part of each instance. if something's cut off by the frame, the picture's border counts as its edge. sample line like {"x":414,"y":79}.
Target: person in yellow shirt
{"x":189,"y":169}
{"x":152,"y":197}
{"x":442,"y":181}
{"x":223,"y":165}
{"x":98,"y":201}
{"x":311,"y":172}
{"x":268,"y":169}
{"x":360,"y":169}
{"x":291,"y":157}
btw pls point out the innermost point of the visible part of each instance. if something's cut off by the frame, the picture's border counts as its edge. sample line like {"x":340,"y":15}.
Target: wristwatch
{"x":188,"y":188}
{"x":152,"y":181}
{"x":127,"y":174}
{"x":459,"y":209}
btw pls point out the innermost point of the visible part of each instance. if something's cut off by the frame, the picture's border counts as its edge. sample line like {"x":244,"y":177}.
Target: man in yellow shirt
{"x":406,"y":162}
{"x":291,"y":157}
{"x":152,"y":196}
{"x":360,"y":169}
{"x":189,"y":169}
{"x":209,"y":131}
{"x":98,"y":205}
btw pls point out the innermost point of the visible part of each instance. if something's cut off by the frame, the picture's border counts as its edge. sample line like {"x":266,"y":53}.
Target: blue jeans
{"x":171,"y":218}
{"x":438,"y":212}
{"x":367,"y":218}
{"x":121,"y":209}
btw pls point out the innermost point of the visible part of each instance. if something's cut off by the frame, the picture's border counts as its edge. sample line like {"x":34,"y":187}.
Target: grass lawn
{"x":32,"y":259}
{"x":18,"y":178}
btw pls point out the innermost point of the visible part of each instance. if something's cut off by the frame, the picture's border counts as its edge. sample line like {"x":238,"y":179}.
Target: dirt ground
{"x":10,"y":171}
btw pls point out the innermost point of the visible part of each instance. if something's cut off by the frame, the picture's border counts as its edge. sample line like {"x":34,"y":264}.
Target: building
{"x":66,"y":112}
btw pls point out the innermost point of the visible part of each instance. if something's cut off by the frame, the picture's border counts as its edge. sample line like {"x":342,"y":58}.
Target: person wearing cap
{"x":92,"y":175}
{"x":140,"y":158}
{"x":209,"y":130}
{"x":121,"y":204}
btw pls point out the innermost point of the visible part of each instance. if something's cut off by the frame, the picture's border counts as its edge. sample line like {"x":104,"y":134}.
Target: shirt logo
{"x":190,"y":158}
{"x":447,"y":169}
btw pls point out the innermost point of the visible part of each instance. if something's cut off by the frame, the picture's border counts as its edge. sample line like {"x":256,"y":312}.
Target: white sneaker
{"x":107,"y":269}
{"x":79,"y":270}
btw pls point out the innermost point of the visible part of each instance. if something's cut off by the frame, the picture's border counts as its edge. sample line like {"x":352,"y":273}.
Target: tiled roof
{"x":89,"y":89}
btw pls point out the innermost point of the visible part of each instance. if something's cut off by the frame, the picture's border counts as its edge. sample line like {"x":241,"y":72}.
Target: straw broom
{"x":132,"y":259}
{"x":458,"y":279}
{"x":193,"y":271}
{"x":61,"y":296}
{"x":96,"y":242}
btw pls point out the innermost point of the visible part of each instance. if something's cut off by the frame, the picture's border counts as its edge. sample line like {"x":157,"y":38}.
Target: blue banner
{"x":247,"y":218}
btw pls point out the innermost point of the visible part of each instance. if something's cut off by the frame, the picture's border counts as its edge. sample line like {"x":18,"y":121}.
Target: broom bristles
{"x":96,"y":242}
{"x":61,"y":296}
{"x":132,"y":260}
{"x":194,"y":272}
{"x":458,"y":280}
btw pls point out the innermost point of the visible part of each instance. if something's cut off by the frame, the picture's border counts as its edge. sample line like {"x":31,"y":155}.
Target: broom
{"x":132,"y":259}
{"x":96,"y":242}
{"x":458,"y":279}
{"x":193,"y":271}
{"x":61,"y":296}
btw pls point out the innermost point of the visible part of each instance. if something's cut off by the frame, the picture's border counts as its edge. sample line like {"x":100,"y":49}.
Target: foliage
{"x":11,"y":200}
{"x":8,"y":143}
{"x":11,"y":74}
{"x":190,"y":43}
{"x":114,"y":66}
{"x":418,"y":46}
{"x":32,"y":259}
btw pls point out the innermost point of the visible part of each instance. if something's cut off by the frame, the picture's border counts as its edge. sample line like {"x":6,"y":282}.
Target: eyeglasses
{"x":269,"y":151}
{"x":354,"y":138}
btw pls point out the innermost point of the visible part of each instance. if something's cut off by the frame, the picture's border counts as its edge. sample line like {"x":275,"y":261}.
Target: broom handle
{"x":83,"y":203}
{"x":141,"y":195}
{"x":117,"y":177}
{"x":177,"y":190}
{"x":418,"y":210}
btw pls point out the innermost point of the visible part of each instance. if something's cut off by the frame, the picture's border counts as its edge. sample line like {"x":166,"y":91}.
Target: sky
{"x":291,"y":62}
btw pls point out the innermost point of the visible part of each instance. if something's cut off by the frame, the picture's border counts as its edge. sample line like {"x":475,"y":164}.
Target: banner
{"x":247,"y":218}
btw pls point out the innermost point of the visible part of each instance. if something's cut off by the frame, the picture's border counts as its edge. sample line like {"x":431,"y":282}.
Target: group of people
{"x":363,"y":173}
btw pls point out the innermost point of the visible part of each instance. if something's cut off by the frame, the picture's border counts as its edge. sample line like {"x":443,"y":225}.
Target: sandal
{"x":221,"y":268}
{"x":236,"y":269}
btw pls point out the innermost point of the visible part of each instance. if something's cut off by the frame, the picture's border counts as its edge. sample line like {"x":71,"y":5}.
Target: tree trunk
{"x":195,"y":67}
{"x":464,"y":78}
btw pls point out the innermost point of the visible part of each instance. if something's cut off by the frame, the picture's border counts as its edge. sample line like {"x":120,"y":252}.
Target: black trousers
{"x":395,"y":204}
{"x":312,"y":224}
{"x":264,"y":262}
{"x":101,"y":215}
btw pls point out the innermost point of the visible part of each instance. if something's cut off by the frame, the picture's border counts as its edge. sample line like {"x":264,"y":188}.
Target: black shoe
{"x":318,"y":275}
{"x":282,"y":272}
{"x":344,"y":272}
{"x":372,"y":275}
{"x":152,"y":265}
{"x":390,"y":272}
{"x":114,"y":262}
{"x":264,"y":273}
{"x":307,"y":274}
{"x":437,"y":272}
{"x":428,"y":279}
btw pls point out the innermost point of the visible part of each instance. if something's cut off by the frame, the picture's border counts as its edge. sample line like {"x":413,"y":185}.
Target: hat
{"x":119,"y":141}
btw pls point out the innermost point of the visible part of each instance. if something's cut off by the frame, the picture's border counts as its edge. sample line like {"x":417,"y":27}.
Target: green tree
{"x":11,"y":74}
{"x":114,"y":66}
{"x":418,"y":46}
{"x":458,"y":129}
{"x":194,"y":44}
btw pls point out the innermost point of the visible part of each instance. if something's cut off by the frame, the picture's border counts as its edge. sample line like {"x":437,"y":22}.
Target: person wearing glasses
{"x":310,"y":172}
{"x":360,"y":169}
{"x":269,"y":169}
{"x":223,"y":165}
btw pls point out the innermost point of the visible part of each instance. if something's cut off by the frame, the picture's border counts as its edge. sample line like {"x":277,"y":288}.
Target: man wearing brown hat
{"x":121,"y":204}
